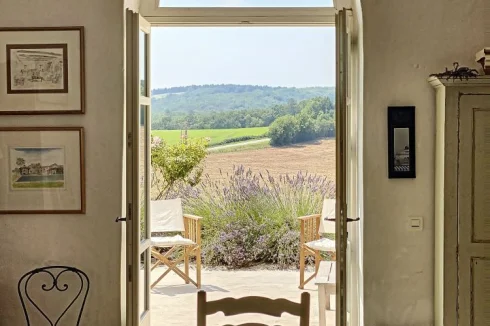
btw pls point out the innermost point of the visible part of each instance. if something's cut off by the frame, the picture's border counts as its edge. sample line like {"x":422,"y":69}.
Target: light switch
{"x":416,"y":223}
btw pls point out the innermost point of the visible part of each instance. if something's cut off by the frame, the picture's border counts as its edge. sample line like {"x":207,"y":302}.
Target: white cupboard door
{"x":474,"y":210}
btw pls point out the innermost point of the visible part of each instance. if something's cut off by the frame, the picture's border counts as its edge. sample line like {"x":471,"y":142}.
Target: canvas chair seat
{"x":167,"y":216}
{"x":166,"y":242}
{"x":322,"y":244}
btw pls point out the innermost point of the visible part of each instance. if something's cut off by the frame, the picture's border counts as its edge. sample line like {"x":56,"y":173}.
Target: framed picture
{"x":42,"y":170}
{"x":401,"y":142}
{"x":43,"y":71}
{"x":37,"y":68}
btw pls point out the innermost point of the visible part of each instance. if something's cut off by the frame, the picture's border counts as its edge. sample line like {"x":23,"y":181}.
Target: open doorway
{"x":261,"y":102}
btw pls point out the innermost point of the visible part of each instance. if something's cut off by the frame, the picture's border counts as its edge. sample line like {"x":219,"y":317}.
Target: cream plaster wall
{"x":405,"y":41}
{"x":92,"y":241}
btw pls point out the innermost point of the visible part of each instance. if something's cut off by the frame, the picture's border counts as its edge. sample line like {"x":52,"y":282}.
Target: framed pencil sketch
{"x":42,"y":170}
{"x":401,"y":142}
{"x":37,"y":68}
{"x":42,"y":70}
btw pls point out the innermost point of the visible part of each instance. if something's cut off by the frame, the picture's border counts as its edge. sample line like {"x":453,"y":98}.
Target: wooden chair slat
{"x":253,"y":304}
{"x":256,"y":305}
{"x":248,"y":324}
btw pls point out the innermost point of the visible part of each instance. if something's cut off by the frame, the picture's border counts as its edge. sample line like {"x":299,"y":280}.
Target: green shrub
{"x":315,"y":120}
{"x":283,"y":131}
{"x":176,"y":164}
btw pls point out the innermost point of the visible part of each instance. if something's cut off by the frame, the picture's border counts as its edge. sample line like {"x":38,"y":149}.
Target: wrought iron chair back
{"x":54,"y":283}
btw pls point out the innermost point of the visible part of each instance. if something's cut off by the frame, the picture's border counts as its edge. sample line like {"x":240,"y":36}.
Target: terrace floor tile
{"x":174,"y":303}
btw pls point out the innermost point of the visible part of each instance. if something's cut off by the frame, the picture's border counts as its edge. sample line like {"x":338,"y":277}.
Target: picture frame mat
{"x":45,"y":103}
{"x":71,"y":199}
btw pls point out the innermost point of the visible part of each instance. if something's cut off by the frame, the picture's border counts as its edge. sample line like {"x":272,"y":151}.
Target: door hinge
{"x":130,"y":139}
{"x":130,"y":273}
{"x":130,"y":211}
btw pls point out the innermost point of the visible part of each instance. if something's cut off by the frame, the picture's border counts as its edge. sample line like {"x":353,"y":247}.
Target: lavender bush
{"x":251,"y":218}
{"x":238,"y":245}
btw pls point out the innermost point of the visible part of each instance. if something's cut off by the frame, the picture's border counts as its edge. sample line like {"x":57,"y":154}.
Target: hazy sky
{"x":45,"y":156}
{"x":276,"y":56}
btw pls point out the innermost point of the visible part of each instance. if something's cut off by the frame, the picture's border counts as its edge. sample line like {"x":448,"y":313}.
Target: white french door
{"x":342,"y":115}
{"x":138,"y":170}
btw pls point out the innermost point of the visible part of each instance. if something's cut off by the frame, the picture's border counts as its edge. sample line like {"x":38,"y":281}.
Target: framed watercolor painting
{"x":43,"y":71}
{"x":42,"y":170}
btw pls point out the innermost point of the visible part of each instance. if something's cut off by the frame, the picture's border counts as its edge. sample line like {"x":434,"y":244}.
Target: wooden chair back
{"x":309,"y":228}
{"x":257,"y":305}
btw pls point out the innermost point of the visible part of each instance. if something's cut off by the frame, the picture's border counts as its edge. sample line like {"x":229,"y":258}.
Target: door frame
{"x":284,"y":17}
{"x":235,"y":16}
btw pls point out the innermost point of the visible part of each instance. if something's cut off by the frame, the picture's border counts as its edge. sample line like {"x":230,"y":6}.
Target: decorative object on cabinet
{"x":483,"y":57}
{"x":457,"y":73}
{"x":58,"y":284}
{"x":42,"y":170}
{"x":43,"y":71}
{"x":401,"y":142}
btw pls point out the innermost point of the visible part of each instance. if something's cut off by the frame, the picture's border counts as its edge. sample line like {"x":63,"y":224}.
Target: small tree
{"x":283,"y":131}
{"x":174,"y":164}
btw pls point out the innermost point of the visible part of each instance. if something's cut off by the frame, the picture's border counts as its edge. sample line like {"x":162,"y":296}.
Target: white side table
{"x":325,"y":280}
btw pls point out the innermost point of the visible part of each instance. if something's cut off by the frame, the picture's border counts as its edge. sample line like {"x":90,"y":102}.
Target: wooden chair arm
{"x":192,"y":226}
{"x":307,"y":217}
{"x":193,"y":217}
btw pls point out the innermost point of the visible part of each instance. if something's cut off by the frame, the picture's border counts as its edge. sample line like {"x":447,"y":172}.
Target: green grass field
{"x":241,"y":147}
{"x":216,"y":135}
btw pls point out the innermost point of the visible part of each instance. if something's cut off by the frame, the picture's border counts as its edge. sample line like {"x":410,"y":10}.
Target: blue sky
{"x":246,"y":3}
{"x":275,"y":56}
{"x":44,"y":155}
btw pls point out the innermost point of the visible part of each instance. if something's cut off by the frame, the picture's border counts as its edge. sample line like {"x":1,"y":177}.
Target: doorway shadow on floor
{"x":175,"y":290}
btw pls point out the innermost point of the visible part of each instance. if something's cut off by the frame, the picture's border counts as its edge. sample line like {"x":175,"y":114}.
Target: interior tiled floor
{"x":174,"y":303}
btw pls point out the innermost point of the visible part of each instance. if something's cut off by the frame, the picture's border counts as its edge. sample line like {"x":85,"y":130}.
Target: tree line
{"x":245,"y":118}
{"x":208,"y":98}
{"x":316,"y":119}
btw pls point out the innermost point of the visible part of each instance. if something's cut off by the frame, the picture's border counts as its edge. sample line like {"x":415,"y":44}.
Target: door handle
{"x":348,"y":219}
{"x":120,"y":219}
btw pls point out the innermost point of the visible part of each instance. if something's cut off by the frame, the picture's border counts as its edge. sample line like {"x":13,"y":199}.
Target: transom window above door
{"x":247,"y":3}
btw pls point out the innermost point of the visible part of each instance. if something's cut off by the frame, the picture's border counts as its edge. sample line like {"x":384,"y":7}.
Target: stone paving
{"x":174,"y":303}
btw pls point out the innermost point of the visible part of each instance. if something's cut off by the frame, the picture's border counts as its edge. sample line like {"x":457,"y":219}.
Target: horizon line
{"x":255,"y":85}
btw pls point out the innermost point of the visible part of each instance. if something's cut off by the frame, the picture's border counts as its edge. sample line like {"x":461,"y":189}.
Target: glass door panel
{"x":138,"y":171}
{"x":143,"y":172}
